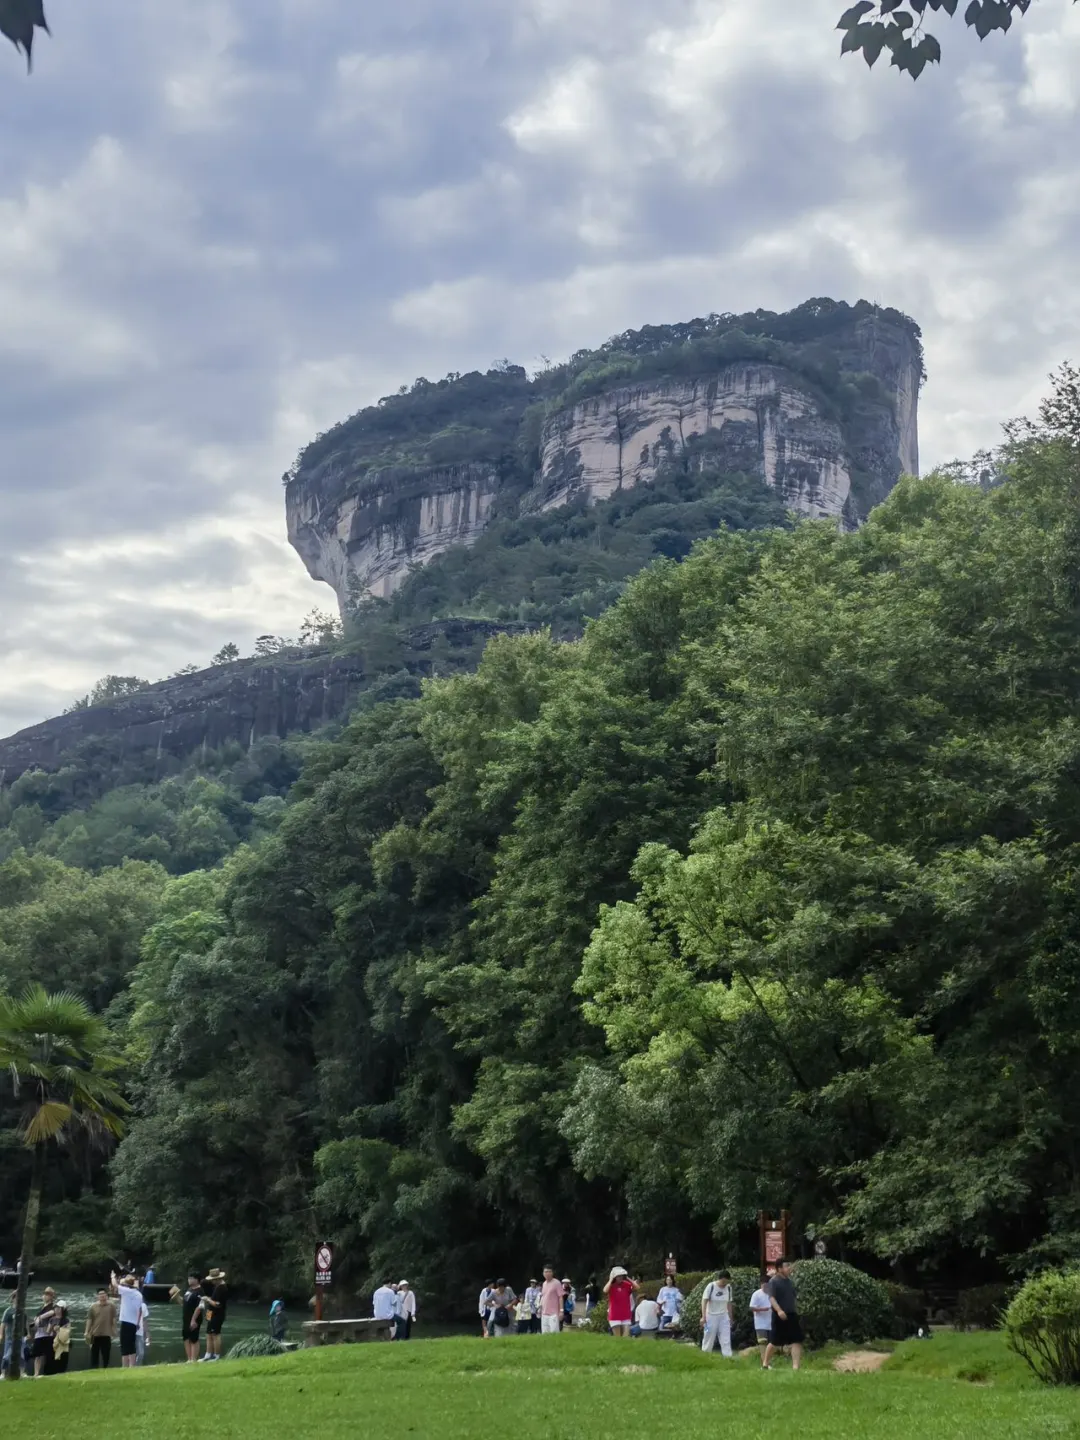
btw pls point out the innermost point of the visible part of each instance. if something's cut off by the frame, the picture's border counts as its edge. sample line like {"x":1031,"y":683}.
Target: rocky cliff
{"x":242,"y":702}
{"x":820,"y":402}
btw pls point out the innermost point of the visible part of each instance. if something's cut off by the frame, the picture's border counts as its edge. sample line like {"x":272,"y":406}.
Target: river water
{"x":166,"y":1344}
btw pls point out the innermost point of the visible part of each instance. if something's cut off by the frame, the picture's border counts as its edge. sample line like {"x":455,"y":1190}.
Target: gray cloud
{"x":219,"y":234}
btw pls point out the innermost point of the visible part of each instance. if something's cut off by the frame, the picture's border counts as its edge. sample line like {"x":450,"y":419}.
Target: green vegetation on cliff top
{"x":496,"y":417}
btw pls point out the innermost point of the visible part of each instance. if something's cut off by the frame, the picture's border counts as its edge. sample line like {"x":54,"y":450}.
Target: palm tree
{"x":59,"y":1058}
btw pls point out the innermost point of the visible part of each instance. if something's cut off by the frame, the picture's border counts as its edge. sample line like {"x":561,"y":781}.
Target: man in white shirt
{"x":670,"y":1300}
{"x":406,"y":1311}
{"x":142,"y":1333}
{"x":647,"y":1319}
{"x":131,"y":1304}
{"x":384,"y":1303}
{"x":761,"y":1309}
{"x":485,"y":1307}
{"x":716,"y":1314}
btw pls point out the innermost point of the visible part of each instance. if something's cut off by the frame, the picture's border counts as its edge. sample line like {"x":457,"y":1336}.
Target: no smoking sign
{"x":324,"y":1264}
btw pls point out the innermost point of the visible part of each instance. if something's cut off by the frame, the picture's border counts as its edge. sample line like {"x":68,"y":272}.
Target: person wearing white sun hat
{"x":620,"y":1292}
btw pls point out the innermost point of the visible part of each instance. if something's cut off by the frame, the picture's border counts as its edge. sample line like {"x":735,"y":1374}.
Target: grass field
{"x":569,"y":1387}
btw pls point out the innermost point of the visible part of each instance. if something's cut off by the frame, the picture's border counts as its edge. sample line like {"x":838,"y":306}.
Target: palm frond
{"x":47,"y":1122}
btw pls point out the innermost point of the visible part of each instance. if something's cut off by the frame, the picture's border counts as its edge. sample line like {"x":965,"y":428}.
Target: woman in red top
{"x":620,"y":1292}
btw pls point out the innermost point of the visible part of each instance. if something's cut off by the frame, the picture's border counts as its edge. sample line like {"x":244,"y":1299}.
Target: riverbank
{"x":558,"y":1386}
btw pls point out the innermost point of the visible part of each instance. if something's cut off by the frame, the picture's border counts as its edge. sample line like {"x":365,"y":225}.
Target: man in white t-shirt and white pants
{"x":716,"y":1314}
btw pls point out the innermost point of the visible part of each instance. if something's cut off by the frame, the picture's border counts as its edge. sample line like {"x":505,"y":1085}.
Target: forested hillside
{"x":760,"y":893}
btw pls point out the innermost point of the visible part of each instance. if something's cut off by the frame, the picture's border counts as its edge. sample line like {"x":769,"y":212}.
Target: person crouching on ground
{"x":405,"y":1311}
{"x":620,"y":1292}
{"x":646,"y":1319}
{"x":191,"y":1317}
{"x":216,"y":1305}
{"x":131,"y":1303}
{"x":786,"y":1325}
{"x":716,"y":1314}
{"x":100,"y":1330}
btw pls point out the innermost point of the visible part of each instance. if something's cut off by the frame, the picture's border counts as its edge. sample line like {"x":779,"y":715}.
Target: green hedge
{"x":1042,"y":1324}
{"x":255,"y":1347}
{"x":836,"y":1302}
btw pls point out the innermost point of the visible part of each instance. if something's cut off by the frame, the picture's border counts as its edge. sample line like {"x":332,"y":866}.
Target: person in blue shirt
{"x":670,"y":1299}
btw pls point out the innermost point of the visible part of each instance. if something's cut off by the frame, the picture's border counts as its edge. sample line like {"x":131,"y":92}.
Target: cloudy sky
{"x":220,"y":234}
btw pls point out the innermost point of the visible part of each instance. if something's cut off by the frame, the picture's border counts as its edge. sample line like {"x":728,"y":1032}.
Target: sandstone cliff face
{"x":764,"y":420}
{"x":365,"y":539}
{"x":831,"y":425}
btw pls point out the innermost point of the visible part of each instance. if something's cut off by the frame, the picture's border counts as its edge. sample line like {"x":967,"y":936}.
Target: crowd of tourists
{"x":548,"y":1306}
{"x":119,"y":1313}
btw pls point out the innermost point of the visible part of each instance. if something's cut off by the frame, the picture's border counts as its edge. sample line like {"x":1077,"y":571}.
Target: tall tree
{"x":60,"y":1061}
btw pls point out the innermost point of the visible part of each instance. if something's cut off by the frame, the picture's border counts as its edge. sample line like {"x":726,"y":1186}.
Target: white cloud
{"x":224,"y":227}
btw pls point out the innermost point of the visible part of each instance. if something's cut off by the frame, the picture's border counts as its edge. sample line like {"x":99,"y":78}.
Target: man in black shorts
{"x":786,"y":1326}
{"x":191,"y":1322}
{"x":216,"y":1303}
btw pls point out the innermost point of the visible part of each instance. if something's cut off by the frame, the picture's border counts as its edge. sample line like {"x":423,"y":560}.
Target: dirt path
{"x":860,"y":1362}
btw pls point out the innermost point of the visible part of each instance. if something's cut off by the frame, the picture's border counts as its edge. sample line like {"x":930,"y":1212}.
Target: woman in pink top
{"x":620,"y":1292}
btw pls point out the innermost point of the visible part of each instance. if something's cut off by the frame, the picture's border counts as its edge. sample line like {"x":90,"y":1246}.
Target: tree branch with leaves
{"x":873,"y":26}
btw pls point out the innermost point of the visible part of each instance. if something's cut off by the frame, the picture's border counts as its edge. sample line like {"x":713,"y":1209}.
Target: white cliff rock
{"x":368,"y":540}
{"x":764,"y":421}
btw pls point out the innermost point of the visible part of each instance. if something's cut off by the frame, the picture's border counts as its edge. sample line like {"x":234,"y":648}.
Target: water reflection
{"x":166,"y":1344}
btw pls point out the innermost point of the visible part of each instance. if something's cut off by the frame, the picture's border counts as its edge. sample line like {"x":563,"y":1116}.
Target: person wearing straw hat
{"x":620,"y":1292}
{"x":404,"y":1310}
{"x":215,"y":1305}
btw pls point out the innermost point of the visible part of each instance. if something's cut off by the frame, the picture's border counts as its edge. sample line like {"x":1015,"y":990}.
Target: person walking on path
{"x":502,"y":1302}
{"x":62,"y":1343}
{"x":716,"y":1314}
{"x":786,"y":1326}
{"x":216,"y":1305}
{"x":485,"y":1308}
{"x":142,"y":1333}
{"x":7,"y":1336}
{"x":131,"y":1300}
{"x":532,"y":1300}
{"x":191,"y":1317}
{"x":550,"y":1303}
{"x":384,"y":1305}
{"x":620,"y":1292}
{"x":761,"y":1309}
{"x":406,"y":1311}
{"x":100,"y":1330}
{"x":670,"y":1299}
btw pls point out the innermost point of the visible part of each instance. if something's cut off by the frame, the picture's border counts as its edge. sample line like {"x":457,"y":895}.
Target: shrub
{"x":1042,"y":1325}
{"x":255,"y":1347}
{"x":910,"y":1309}
{"x":839,"y":1302}
{"x":982,"y":1307}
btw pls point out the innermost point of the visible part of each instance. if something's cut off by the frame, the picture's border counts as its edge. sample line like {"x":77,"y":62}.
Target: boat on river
{"x":10,"y":1278}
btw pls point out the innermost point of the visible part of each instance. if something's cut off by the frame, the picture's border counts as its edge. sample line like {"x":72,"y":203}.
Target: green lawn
{"x":569,"y":1387}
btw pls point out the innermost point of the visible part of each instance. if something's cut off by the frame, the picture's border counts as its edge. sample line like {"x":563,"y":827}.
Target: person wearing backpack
{"x":502,"y":1302}
{"x":716,"y":1314}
